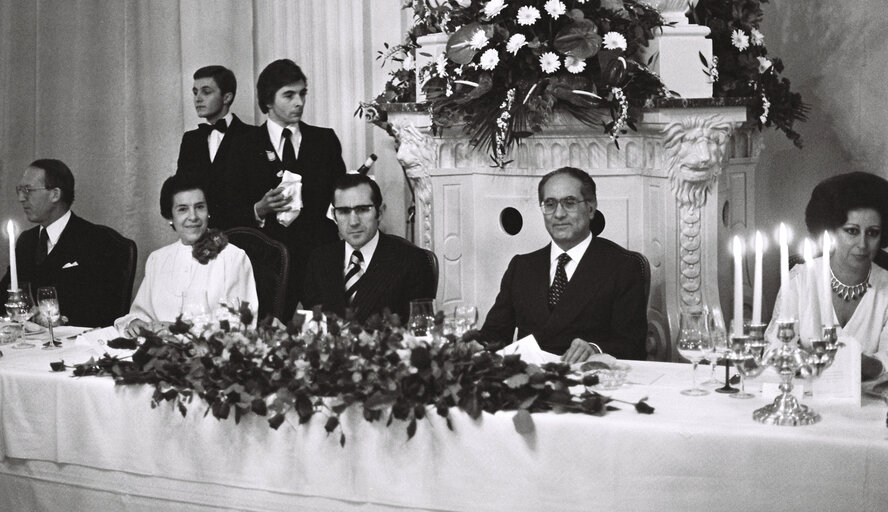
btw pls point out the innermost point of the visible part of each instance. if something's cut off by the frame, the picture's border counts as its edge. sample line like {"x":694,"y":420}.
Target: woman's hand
{"x":870,"y":367}
{"x":135,"y":327}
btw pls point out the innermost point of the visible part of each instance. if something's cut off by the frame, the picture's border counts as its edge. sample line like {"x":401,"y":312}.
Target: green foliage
{"x":282,"y":373}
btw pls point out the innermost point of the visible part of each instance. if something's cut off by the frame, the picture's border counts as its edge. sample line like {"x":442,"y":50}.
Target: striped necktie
{"x":352,"y":275}
{"x":560,"y":281}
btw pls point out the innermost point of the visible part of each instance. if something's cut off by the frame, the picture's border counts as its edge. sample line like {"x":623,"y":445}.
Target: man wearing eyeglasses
{"x":63,"y":250}
{"x":368,"y":270}
{"x":579,"y":295}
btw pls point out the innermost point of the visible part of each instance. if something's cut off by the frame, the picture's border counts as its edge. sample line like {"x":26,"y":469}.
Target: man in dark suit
{"x":206,"y":151}
{"x":369,"y":270}
{"x":282,"y":143}
{"x":65,"y":251}
{"x":579,"y":294}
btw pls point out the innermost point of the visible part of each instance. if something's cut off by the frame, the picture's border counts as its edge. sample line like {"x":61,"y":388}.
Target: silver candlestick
{"x":788,"y":359}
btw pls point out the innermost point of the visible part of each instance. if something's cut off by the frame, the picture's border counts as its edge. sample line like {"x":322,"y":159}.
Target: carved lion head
{"x":415,"y":149}
{"x":696,"y":153}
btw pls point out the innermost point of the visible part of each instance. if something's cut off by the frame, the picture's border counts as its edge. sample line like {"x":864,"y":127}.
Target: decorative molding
{"x":416,"y":154}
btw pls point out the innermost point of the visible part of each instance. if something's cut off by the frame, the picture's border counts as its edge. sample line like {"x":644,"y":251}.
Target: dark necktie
{"x":218,"y":126}
{"x":352,"y":276}
{"x":289,"y":154}
{"x":560,"y":281}
{"x":42,"y":243}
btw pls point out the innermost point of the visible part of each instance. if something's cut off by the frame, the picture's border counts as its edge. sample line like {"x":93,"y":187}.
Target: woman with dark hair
{"x":201,"y":261}
{"x":851,"y":208}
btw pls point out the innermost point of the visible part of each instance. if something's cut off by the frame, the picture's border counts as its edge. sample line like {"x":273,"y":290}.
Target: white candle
{"x":757,"y":281}
{"x":784,"y":273}
{"x":808,"y":253}
{"x":10,"y":230}
{"x":826,"y":308}
{"x":738,"y":287}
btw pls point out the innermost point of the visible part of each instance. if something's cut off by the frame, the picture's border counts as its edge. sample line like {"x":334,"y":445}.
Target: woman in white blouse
{"x":200,"y":261}
{"x":852,"y":208}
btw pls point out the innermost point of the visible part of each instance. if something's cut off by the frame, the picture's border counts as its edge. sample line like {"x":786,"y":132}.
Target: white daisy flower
{"x":614,"y":41}
{"x":555,"y":8}
{"x":764,"y":64}
{"x":464,"y":3}
{"x":740,"y":40}
{"x":408,"y":63}
{"x":549,"y":62}
{"x":441,"y":65}
{"x":489,"y":59}
{"x":493,"y":7}
{"x":757,"y":38}
{"x":574,"y":65}
{"x":515,"y":43}
{"x":528,"y":15}
{"x":479,"y":40}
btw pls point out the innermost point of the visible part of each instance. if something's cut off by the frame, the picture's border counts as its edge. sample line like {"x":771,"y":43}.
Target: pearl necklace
{"x":853,"y":292}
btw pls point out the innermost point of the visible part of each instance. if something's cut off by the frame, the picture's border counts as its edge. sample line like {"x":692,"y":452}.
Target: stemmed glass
{"x":693,"y":343}
{"x":48,"y":303}
{"x":422,"y":317}
{"x":466,"y":318}
{"x":195,"y":308}
{"x":719,"y":345}
{"x":22,"y":312}
{"x":743,"y":358}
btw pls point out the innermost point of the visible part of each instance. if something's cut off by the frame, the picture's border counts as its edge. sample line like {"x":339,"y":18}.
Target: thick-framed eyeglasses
{"x":361,"y":209}
{"x":569,"y":203}
{"x":26,"y":190}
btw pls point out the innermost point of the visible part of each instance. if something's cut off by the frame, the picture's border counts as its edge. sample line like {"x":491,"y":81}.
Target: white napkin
{"x":96,"y":337}
{"x":292,"y":185}
{"x":530,"y":351}
{"x":840,"y":383}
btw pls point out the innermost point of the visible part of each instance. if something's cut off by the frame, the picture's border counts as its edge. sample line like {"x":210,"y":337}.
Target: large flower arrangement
{"x":299,"y":372}
{"x":510,"y":65}
{"x":741,"y":65}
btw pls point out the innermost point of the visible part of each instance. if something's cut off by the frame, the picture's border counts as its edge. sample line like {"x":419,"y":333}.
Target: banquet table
{"x":84,"y":443}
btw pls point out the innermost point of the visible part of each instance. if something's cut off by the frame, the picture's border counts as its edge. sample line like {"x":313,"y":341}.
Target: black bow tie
{"x":218,"y":126}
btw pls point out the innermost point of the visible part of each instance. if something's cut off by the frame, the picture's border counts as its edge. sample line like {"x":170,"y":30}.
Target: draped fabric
{"x":105,"y":86}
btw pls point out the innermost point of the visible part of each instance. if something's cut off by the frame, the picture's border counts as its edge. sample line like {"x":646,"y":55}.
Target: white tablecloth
{"x":71,"y":443}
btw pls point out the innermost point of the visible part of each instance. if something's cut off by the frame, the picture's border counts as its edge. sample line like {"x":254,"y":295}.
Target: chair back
{"x":271,"y":267}
{"x":124,"y":274}
{"x":645,"y":268}
{"x":433,"y":262}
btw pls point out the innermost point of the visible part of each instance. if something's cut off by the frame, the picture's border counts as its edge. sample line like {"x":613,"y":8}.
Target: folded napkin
{"x":292,"y":185}
{"x":530,"y":351}
{"x":96,"y":337}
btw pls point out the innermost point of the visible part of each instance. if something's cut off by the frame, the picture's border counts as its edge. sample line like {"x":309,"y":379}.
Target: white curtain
{"x":105,"y":86}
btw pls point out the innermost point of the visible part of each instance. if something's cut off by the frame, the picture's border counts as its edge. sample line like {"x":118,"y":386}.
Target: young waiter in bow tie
{"x":206,"y":151}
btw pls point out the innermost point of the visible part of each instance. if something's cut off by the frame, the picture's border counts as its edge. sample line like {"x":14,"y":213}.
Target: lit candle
{"x":10,"y":230}
{"x":738,"y":287}
{"x":784,"y":272}
{"x":826,"y":308}
{"x":808,"y":253}
{"x":757,"y":281}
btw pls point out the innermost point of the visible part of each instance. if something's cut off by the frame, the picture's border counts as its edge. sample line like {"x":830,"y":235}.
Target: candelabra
{"x":751,"y":356}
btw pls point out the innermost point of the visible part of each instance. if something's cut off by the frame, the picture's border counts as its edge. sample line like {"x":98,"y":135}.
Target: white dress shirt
{"x":214,"y":139}
{"x":276,"y":136}
{"x":576,"y":254}
{"x":54,"y":230}
{"x":366,"y":251}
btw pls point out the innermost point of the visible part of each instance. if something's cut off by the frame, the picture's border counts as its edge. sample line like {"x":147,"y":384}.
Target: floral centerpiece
{"x":510,"y":65}
{"x":310,"y":367}
{"x":741,"y":66}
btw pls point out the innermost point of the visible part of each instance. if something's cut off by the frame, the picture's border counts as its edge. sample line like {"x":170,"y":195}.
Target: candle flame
{"x":10,"y":229}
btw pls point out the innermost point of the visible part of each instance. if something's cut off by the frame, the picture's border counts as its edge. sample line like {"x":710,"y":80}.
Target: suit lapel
{"x":62,"y":252}
{"x":376,"y":276}
{"x":274,"y":163}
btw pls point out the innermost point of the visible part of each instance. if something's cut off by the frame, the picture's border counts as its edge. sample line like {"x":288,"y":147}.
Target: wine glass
{"x":743,"y":357}
{"x":466,"y":318}
{"x":693,"y":343}
{"x":196,"y":308}
{"x":422,"y":317}
{"x":20,"y":310}
{"x":48,"y":303}
{"x":719,"y":345}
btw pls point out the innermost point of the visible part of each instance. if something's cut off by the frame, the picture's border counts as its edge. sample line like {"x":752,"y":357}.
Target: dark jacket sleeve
{"x":628,"y":316}
{"x":499,"y":325}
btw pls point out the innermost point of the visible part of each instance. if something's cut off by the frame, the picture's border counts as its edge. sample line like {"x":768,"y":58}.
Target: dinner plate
{"x":32,"y":328}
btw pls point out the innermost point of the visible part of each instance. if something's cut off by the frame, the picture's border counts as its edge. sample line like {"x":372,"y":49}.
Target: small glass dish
{"x":612,"y":378}
{"x":9,"y":332}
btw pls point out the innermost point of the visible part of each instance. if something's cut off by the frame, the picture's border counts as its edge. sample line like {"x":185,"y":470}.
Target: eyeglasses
{"x":569,"y":203}
{"x":26,"y":190}
{"x":360,"y":209}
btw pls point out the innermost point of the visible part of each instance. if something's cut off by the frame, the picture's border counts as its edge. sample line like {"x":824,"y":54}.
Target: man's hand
{"x":578,"y":352}
{"x":135,"y":327}
{"x":273,"y":201}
